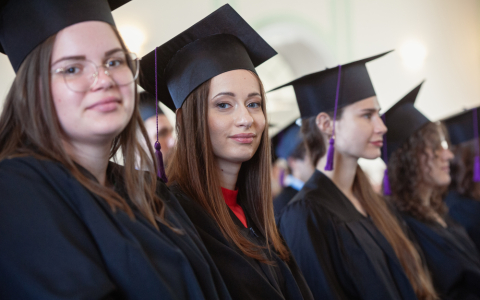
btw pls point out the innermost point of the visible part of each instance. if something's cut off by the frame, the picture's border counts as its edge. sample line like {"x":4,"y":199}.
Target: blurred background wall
{"x":436,"y":40}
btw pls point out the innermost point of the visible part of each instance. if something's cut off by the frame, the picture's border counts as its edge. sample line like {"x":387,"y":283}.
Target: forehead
{"x":367,"y":103}
{"x":91,"y":39}
{"x":236,"y":80}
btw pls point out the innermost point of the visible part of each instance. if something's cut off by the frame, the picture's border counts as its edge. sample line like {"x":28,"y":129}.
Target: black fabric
{"x":219,"y":43}
{"x":341,"y":253}
{"x":460,"y":127}
{"x":403,"y":120}
{"x":24,"y":24}
{"x":451,"y":257}
{"x":466,"y":212}
{"x":316,"y":92}
{"x":287,"y":140}
{"x":59,"y":241}
{"x":245,"y":277}
{"x":282,"y":199}
{"x":147,"y":106}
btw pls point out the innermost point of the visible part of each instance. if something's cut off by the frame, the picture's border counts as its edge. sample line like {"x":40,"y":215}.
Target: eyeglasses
{"x":81,"y":74}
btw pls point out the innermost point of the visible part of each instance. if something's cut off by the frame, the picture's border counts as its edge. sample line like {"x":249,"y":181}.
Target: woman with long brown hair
{"x":347,"y":242}
{"x":73,"y":224}
{"x":463,"y":198}
{"x":221,"y":162}
{"x":418,"y":158}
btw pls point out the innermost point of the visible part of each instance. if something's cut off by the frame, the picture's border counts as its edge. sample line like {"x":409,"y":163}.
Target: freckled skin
{"x":229,"y":115}
{"x":81,"y":124}
{"x":357,"y":129}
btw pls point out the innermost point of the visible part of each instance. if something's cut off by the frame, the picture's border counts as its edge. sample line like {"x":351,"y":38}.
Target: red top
{"x":230,"y":198}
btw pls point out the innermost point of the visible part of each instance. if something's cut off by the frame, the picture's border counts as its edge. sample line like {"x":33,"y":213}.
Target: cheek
{"x":352,"y":136}
{"x":217,"y":127}
{"x":259,"y":120}
{"x":65,"y":102}
{"x":128,"y":97}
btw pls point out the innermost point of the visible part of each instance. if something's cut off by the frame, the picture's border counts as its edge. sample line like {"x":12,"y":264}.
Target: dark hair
{"x":193,"y":169}
{"x":377,"y":209}
{"x":461,"y":170}
{"x":29,"y":126}
{"x":299,"y":152}
{"x":405,"y":172}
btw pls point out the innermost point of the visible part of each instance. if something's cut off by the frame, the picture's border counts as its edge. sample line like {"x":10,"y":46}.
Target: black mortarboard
{"x":219,"y":43}
{"x":24,"y":24}
{"x":462,"y":127}
{"x":402,"y":120}
{"x":316,"y":92}
{"x":147,"y":105}
{"x":287,"y":140}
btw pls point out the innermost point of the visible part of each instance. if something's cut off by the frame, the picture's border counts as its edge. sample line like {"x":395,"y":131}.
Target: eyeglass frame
{"x":105,"y":67}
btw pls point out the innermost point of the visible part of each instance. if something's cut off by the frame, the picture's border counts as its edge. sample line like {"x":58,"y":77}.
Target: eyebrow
{"x":372,"y":110}
{"x":233,"y":95}
{"x":83,"y":57}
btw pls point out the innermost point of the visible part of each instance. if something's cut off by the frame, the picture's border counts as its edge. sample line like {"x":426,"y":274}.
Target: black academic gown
{"x":466,"y":212}
{"x":246,"y":278}
{"x":451,"y":257}
{"x":59,"y":241}
{"x":341,"y":253}
{"x":282,"y":199}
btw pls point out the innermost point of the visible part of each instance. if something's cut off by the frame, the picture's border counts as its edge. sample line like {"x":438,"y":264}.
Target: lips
{"x":243,"y":138}
{"x":377,"y":143}
{"x":105,"y":105}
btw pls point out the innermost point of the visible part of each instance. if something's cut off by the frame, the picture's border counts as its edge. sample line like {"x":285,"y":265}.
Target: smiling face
{"x":360,"y":130}
{"x":100,"y":113}
{"x":235,"y":116}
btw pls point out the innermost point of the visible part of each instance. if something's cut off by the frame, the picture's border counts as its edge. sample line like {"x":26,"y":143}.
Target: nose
{"x":379,"y":126}
{"x":103,"y":78}
{"x":447,"y":154}
{"x":243,"y":117}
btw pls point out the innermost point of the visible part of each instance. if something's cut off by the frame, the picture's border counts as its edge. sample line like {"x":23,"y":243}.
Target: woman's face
{"x":359,"y":132}
{"x":235,"y":117}
{"x":101,"y":112}
{"x":437,"y":167}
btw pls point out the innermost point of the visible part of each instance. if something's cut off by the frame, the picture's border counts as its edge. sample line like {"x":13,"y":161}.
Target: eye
{"x":115,"y":62}
{"x":367,"y":116}
{"x":223,"y":105}
{"x":254,"y":105}
{"x":75,"y":69}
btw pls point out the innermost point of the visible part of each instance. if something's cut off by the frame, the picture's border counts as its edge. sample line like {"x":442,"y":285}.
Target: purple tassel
{"x":330,"y":154}
{"x":282,"y":178}
{"x":386,"y":184}
{"x":160,"y":167}
{"x":476,"y":169}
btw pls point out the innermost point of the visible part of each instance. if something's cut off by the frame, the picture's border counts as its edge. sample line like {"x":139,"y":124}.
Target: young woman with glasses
{"x":74,"y":224}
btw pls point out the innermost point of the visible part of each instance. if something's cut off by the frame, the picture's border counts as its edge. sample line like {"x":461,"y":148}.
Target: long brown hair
{"x":29,"y":126}
{"x":377,"y":209}
{"x":193,"y":169}
{"x":461,"y":170}
{"x":406,"y":177}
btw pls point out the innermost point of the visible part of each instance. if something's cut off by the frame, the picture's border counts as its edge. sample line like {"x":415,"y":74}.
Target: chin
{"x":371,"y":154}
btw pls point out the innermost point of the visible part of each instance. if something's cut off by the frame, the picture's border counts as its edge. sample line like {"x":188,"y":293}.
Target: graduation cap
{"x":148,"y":106}
{"x":24,"y":24}
{"x":287,"y":140}
{"x":402,"y":120}
{"x":464,"y":127}
{"x":331,"y":89}
{"x":219,"y":43}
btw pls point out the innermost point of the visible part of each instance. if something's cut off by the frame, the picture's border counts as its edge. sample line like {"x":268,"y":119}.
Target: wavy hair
{"x":405,"y":172}
{"x":29,"y":126}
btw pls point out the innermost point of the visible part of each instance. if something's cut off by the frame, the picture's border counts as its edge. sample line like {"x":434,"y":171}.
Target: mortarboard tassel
{"x":158,"y":153}
{"x":476,"y":164}
{"x":386,"y":184}
{"x":386,"y":181}
{"x":331,"y":148}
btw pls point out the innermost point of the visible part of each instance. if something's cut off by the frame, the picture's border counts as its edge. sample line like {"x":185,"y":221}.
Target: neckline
{"x":230,"y":196}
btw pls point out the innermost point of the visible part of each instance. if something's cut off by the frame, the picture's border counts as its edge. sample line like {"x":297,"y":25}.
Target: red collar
{"x":230,"y":196}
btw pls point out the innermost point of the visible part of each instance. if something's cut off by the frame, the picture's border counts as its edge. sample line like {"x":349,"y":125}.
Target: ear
{"x":324,"y":123}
